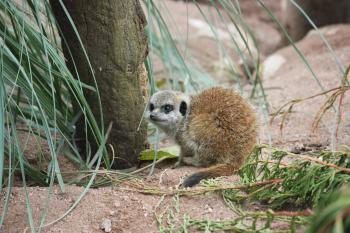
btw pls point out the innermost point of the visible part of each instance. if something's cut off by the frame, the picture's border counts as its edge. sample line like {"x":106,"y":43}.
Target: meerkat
{"x":215,"y":130}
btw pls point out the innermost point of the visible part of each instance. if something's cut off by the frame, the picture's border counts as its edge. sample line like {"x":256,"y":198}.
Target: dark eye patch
{"x":168,"y":108}
{"x":183,"y":108}
{"x":151,"y":107}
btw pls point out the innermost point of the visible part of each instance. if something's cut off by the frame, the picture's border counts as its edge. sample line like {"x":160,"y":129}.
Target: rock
{"x":208,"y":209}
{"x":106,"y":225}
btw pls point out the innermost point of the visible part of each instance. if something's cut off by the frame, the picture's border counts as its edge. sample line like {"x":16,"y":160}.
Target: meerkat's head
{"x":167,"y":109}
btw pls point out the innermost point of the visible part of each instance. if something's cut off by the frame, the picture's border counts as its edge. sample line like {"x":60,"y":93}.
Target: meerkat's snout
{"x":153,"y":116}
{"x":160,"y":113}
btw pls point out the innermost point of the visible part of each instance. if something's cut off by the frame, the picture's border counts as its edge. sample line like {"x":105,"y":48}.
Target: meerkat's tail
{"x":211,"y":172}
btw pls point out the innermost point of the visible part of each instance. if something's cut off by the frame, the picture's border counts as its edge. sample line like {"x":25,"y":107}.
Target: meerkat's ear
{"x":183,"y":108}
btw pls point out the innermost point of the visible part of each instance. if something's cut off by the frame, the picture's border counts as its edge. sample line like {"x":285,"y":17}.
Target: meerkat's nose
{"x":152,"y":116}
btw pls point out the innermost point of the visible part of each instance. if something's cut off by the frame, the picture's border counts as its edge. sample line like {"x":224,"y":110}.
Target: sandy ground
{"x":285,"y":78}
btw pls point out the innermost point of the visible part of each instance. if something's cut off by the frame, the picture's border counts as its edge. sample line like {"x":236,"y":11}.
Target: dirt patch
{"x":127,"y":211}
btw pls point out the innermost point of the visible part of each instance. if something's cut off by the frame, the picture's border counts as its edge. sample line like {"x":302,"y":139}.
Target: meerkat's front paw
{"x":179,"y":163}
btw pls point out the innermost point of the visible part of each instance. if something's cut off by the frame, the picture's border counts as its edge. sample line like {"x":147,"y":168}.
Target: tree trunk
{"x":321,"y":12}
{"x":113,"y":33}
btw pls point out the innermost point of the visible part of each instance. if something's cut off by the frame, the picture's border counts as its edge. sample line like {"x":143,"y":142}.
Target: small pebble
{"x":106,"y":225}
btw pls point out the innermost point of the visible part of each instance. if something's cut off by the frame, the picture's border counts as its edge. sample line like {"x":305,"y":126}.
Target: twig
{"x":316,"y":160}
{"x":304,"y":213}
{"x":200,"y":190}
{"x":149,"y":165}
{"x":328,"y":104}
{"x":295,"y":101}
{"x":337,"y":91}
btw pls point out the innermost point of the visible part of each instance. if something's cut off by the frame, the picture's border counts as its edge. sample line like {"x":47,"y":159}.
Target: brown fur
{"x":219,"y":132}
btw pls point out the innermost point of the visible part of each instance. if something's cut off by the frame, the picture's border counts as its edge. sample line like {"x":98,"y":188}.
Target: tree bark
{"x":113,"y":33}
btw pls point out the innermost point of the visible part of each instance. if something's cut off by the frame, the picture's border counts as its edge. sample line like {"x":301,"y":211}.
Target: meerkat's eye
{"x":151,"y":107}
{"x":168,"y":108}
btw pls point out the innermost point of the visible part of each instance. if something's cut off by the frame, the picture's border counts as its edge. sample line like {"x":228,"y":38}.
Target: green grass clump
{"x":301,"y":183}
